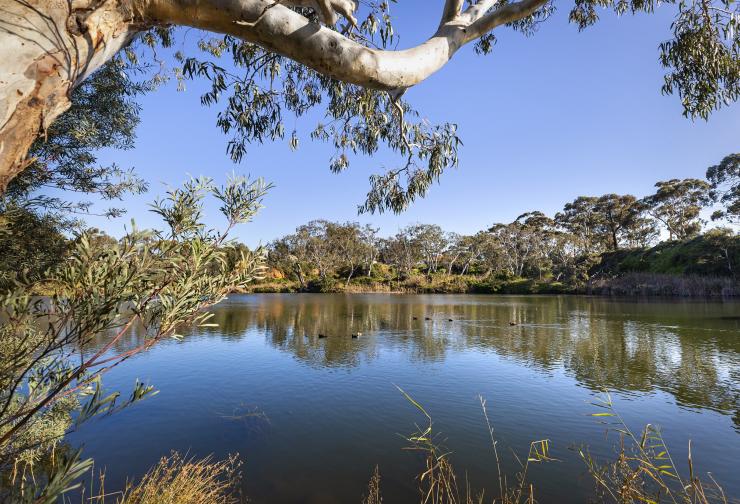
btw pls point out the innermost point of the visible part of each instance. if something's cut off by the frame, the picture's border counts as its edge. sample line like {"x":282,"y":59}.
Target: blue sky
{"x":543,"y":119}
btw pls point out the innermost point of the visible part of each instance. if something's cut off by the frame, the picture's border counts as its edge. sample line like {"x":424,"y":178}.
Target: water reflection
{"x":691,"y":350}
{"x":312,"y":416}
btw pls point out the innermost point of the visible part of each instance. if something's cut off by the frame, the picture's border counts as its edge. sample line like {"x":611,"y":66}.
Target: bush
{"x":325,"y":285}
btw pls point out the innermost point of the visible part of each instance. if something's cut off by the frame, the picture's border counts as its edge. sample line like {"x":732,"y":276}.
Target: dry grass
{"x":644,"y":470}
{"x":177,"y":480}
{"x":373,"y":489}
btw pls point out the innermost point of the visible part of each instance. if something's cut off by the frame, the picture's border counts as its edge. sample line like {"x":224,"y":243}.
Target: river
{"x":311,"y":416}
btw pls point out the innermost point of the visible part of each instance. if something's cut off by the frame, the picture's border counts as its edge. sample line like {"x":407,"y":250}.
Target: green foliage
{"x":591,"y":238}
{"x":607,"y":222}
{"x":725,"y":187}
{"x":262,"y":95}
{"x":156,"y":281}
{"x":325,"y":247}
{"x":30,"y":243}
{"x":677,"y":205}
{"x":716,"y":253}
{"x":703,"y":57}
{"x":104,"y":114}
{"x":261,"y":91}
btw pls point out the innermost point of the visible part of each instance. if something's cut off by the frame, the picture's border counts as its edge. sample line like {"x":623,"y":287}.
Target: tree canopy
{"x":725,"y":187}
{"x":273,"y":60}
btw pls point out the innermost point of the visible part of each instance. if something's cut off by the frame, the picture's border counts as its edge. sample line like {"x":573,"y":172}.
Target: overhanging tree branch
{"x":329,"y":52}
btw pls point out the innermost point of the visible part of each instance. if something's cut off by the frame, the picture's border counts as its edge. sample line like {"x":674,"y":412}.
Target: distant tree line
{"x":562,"y":248}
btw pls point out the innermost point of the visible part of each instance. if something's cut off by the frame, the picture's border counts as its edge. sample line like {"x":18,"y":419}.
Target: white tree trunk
{"x":47,"y":47}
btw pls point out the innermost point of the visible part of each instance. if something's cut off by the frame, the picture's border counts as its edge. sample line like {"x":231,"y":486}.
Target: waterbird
{"x":512,"y":323}
{"x":322,"y":336}
{"x":427,"y":318}
{"x":449,"y":320}
{"x":416,"y":318}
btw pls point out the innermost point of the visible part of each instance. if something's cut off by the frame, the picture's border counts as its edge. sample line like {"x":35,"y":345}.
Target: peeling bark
{"x":47,"y":47}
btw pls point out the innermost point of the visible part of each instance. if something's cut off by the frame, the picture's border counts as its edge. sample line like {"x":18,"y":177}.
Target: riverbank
{"x":628,"y":284}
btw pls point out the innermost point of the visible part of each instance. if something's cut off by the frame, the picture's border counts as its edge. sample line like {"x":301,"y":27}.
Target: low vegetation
{"x":176,"y":480}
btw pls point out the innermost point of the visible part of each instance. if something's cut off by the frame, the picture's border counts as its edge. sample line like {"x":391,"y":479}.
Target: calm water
{"x":311,"y":417}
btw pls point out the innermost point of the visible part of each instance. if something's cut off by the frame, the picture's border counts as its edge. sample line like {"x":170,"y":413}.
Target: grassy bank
{"x":418,"y":284}
{"x":710,"y":255}
{"x":625,"y":284}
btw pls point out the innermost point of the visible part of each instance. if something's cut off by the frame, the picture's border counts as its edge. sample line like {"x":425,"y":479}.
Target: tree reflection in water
{"x":688,"y":349}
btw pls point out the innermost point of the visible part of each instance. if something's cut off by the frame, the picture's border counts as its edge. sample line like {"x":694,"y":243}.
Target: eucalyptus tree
{"x":582,"y":219}
{"x":431,"y":242}
{"x":288,"y":56}
{"x":401,"y":252}
{"x":677,"y":204}
{"x":606,"y":222}
{"x":725,"y":180}
{"x":620,"y":218}
{"x":569,"y":264}
{"x":519,"y":245}
{"x":491,"y":258}
{"x":542,"y":231}
{"x":288,"y":255}
{"x":104,"y":113}
{"x":470,"y":247}
{"x":643,"y":231}
{"x":455,"y":250}
{"x":372,"y":242}
{"x":348,"y":247}
{"x":311,"y":240}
